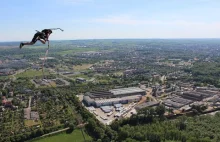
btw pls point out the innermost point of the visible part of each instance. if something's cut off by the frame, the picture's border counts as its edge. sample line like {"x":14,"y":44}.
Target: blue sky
{"x":103,"y":19}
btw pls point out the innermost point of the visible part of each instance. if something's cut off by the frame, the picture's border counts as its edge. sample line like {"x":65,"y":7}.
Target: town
{"x":112,"y":80}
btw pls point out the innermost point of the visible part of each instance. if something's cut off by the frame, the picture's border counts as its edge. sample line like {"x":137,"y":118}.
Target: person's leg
{"x":35,"y":38}
{"x":27,"y":43}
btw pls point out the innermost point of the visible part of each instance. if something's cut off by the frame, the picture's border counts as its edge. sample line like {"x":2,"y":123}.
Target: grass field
{"x":31,"y":73}
{"x":118,"y":73}
{"x":77,"y":49}
{"x":79,"y":75}
{"x":3,"y":77}
{"x":30,"y":123}
{"x":75,"y":136}
{"x":82,"y":67}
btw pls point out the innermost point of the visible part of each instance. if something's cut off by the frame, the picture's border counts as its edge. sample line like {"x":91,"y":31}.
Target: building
{"x":117,"y":105}
{"x":195,"y":96}
{"x":171,"y":104}
{"x":7,"y":102}
{"x":128,"y":91}
{"x":177,"y":102}
{"x":4,"y":72}
{"x":107,"y":109}
{"x":147,"y":104}
{"x":109,"y":102}
{"x":79,"y":79}
{"x":114,"y":96}
{"x":34,"y":115}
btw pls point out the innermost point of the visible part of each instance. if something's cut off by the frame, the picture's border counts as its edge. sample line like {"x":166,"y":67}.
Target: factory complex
{"x":114,"y":96}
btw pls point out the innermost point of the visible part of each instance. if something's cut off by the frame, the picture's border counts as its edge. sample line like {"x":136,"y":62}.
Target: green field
{"x":82,"y":67}
{"x":32,"y":73}
{"x":75,"y":136}
{"x":30,"y":123}
{"x":3,"y":77}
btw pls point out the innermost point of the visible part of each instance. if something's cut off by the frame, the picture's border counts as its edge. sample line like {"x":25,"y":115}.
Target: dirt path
{"x":62,"y":130}
{"x":58,"y":131}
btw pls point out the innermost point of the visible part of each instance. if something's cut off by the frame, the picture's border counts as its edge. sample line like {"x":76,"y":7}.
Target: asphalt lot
{"x":104,"y":118}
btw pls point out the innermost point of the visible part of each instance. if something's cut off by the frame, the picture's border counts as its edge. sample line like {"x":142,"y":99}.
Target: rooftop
{"x":117,"y":99}
{"x":126,"y":90}
{"x":117,"y":105}
{"x":147,"y":104}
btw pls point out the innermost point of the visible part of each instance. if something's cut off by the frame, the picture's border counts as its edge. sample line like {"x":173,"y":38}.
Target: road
{"x":17,"y":72}
{"x":28,"y":109}
{"x":4,"y":85}
{"x":29,"y":104}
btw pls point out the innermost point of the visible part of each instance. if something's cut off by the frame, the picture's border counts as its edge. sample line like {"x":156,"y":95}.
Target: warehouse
{"x":195,"y":96}
{"x":88,"y":101}
{"x":112,"y":101}
{"x":107,"y":109}
{"x":172,"y":104}
{"x":128,"y":91}
{"x":181,"y":100}
{"x":114,"y":96}
{"x":109,"y":102}
{"x":147,"y":104}
{"x":100,"y":94}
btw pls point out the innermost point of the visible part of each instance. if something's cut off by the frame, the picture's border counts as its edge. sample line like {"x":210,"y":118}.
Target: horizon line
{"x":112,"y":39}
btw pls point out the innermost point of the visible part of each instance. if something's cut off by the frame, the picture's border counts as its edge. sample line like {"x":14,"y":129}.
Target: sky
{"x":110,"y":19}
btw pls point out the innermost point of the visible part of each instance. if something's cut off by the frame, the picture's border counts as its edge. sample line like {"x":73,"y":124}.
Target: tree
{"x":160,"y":110}
{"x":71,"y":126}
{"x":98,"y":132}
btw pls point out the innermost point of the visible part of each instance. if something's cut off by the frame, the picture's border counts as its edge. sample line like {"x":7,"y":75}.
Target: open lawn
{"x":75,"y":136}
{"x":79,"y":75}
{"x":118,"y":73}
{"x":82,"y":67}
{"x":75,"y":50}
{"x":3,"y":77}
{"x":53,"y":84}
{"x":30,"y":123}
{"x":32,"y":73}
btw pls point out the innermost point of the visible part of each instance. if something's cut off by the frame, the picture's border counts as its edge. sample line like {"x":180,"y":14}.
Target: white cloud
{"x":128,"y":20}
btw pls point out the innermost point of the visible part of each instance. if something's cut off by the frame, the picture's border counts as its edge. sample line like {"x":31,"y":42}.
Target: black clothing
{"x":42,"y":35}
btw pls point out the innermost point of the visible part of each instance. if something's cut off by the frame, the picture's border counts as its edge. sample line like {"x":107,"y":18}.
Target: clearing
{"x":82,"y":67}
{"x":30,"y":123}
{"x":32,"y":73}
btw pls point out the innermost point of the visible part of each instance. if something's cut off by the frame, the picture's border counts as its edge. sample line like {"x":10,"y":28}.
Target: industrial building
{"x":114,"y":96}
{"x":128,"y":91}
{"x":147,"y":104}
{"x":107,"y":109}
{"x":196,"y":96}
{"x":187,"y":98}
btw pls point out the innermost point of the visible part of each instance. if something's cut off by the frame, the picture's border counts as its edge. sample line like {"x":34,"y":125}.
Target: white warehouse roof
{"x":107,"y":100}
{"x":126,"y":90}
{"x":117,"y":99}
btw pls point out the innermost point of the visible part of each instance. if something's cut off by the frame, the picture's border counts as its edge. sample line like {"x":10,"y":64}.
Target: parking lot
{"x":107,"y":118}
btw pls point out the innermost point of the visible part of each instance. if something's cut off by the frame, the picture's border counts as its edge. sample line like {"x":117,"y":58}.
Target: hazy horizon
{"x":125,"y":39}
